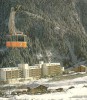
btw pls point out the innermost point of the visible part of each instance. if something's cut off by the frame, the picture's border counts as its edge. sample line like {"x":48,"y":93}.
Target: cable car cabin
{"x":16,"y":41}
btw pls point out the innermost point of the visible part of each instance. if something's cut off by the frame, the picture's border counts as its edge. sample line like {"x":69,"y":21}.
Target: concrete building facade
{"x":26,"y":72}
{"x":49,"y":69}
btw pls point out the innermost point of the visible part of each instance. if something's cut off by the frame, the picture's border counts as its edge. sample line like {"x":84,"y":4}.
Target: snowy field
{"x":78,"y":92}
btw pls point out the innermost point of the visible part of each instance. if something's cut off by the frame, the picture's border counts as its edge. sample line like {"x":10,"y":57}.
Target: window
{"x":16,"y":38}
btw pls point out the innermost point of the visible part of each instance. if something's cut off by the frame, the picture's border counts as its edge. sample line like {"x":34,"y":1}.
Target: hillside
{"x":56,"y":31}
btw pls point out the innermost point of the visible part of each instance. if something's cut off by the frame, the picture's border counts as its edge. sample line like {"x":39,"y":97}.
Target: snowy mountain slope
{"x":57,"y":26}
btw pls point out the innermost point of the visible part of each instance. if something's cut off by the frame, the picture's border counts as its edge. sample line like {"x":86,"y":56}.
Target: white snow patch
{"x":78,"y":92}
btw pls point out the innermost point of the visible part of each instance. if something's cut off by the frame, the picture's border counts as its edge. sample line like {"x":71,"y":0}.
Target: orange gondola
{"x":16,"y":41}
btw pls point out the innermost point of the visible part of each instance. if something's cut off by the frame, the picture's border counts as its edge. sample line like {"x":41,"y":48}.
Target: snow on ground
{"x":72,"y":94}
{"x":79,"y":92}
{"x":3,"y":98}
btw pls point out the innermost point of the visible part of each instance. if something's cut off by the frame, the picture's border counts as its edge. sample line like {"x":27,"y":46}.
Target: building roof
{"x":10,"y":68}
{"x":34,"y":67}
{"x":50,"y":64}
{"x":35,"y":85}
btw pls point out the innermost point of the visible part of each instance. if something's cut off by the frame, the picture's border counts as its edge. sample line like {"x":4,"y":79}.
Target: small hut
{"x":80,"y":68}
{"x":35,"y":88}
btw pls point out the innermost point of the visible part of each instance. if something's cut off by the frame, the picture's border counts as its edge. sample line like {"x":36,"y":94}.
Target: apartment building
{"x":23,"y":71}
{"x":30,"y":72}
{"x":26,"y":72}
{"x":10,"y":74}
{"x":50,"y":69}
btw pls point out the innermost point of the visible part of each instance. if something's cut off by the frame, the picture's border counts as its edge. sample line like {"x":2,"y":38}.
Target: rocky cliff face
{"x":56,"y":31}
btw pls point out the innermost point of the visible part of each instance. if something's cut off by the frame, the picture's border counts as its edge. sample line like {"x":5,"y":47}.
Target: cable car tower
{"x":15,"y":39}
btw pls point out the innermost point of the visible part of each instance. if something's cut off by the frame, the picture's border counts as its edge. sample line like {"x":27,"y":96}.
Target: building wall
{"x":12,"y":74}
{"x":25,"y":70}
{"x":0,"y":73}
{"x":80,"y":69}
{"x":35,"y":72}
{"x":3,"y":74}
{"x":9,"y":73}
{"x":20,"y":74}
{"x":44,"y":70}
{"x":52,"y":69}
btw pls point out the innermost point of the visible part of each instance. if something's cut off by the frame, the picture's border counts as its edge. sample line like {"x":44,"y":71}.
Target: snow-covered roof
{"x":36,"y":84}
{"x":51,"y":64}
{"x":33,"y":85}
{"x":34,"y":67}
{"x":10,"y":68}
